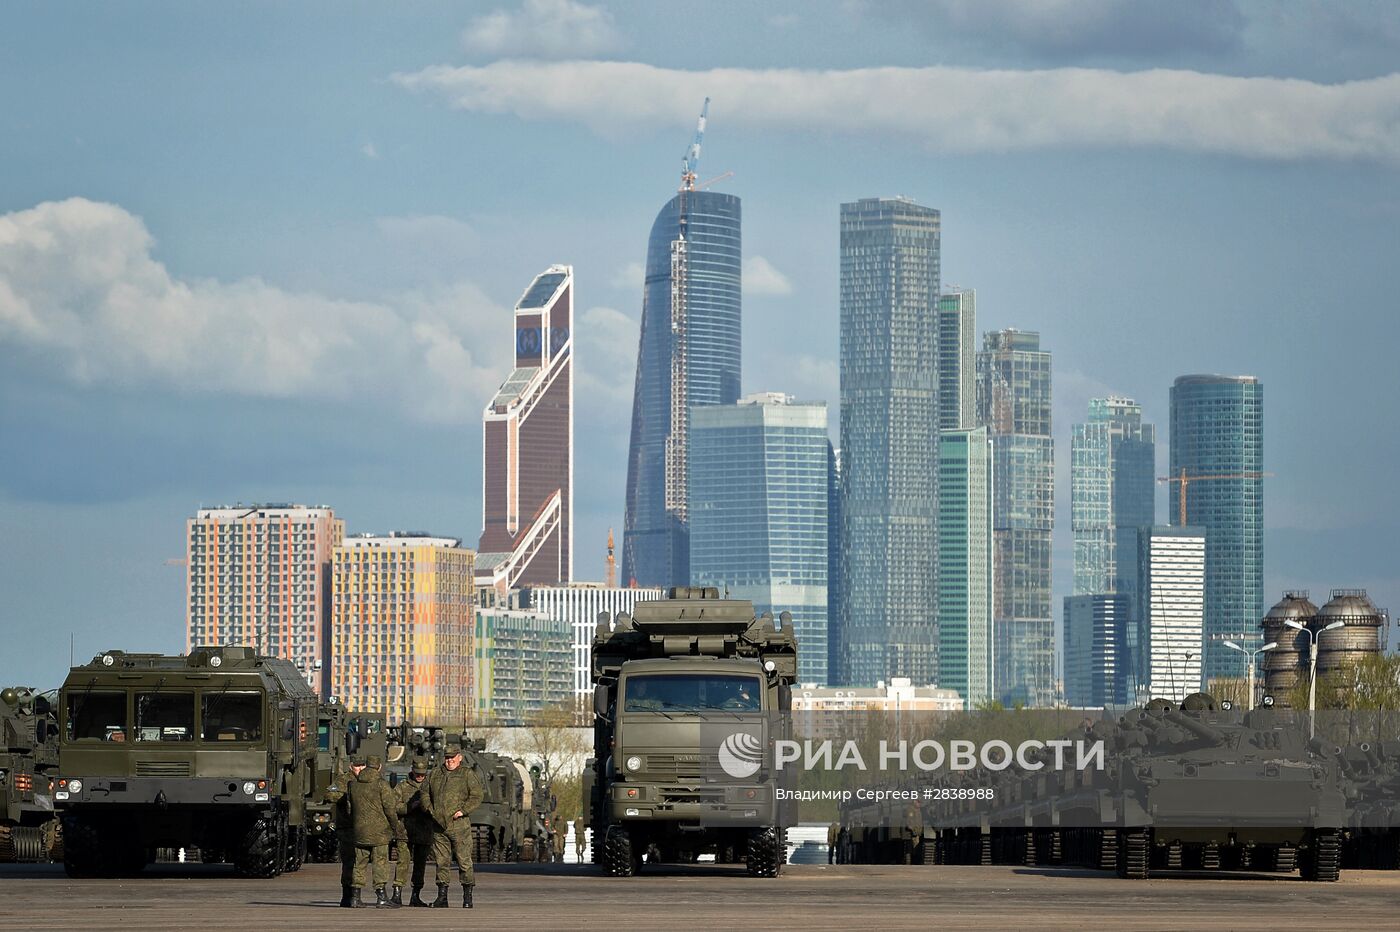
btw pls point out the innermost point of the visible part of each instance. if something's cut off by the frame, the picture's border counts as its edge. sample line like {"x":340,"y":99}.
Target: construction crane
{"x":1184,"y":480}
{"x":690,"y":164}
{"x":715,"y":180}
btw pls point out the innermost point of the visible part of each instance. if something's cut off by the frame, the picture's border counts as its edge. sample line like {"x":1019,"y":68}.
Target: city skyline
{"x":347,"y":214}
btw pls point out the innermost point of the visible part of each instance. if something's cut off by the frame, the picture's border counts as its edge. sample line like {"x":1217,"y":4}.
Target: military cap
{"x":420,"y":765}
{"x":454,"y":747}
{"x":375,"y":760}
{"x":359,"y":760}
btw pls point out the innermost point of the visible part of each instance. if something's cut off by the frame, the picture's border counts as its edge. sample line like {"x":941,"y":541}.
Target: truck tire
{"x":82,"y":852}
{"x":322,"y":848}
{"x":261,"y":852}
{"x":764,"y":853}
{"x":296,"y":849}
{"x":620,"y":857}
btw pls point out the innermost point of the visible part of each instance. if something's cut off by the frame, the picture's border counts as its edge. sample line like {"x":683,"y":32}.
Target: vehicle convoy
{"x":686,"y":693}
{"x":1194,"y":786}
{"x":215,"y":750}
{"x":28,"y":764}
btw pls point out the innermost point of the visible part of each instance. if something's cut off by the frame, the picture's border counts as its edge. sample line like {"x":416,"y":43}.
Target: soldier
{"x":450,"y":793}
{"x":338,"y":795}
{"x":415,"y":833}
{"x":561,"y":830}
{"x":375,"y":822}
{"x":579,"y":830}
{"x":833,"y":835}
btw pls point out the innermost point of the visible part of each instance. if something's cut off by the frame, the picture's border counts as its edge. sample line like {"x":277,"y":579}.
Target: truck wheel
{"x":82,"y":855}
{"x":620,"y":858}
{"x":296,"y":849}
{"x":321,"y":848}
{"x":764,"y":855}
{"x":527,"y":849}
{"x":261,"y":852}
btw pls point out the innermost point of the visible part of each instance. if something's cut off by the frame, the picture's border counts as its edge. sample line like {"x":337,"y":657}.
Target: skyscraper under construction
{"x":688,"y":356}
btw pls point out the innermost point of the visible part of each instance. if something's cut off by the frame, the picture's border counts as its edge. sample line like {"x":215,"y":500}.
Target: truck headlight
{"x":249,"y":787}
{"x":75,"y":786}
{"x":634,"y":763}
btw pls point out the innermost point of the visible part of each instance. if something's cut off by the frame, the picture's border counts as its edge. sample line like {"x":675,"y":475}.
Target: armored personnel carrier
{"x":215,"y":750}
{"x":28,"y":764}
{"x":687,"y":692}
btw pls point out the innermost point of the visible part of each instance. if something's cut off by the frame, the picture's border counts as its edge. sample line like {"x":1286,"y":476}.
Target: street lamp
{"x":1252,"y":655}
{"x":1312,"y":668}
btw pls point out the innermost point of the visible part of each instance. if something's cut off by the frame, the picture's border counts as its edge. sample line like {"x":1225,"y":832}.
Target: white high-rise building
{"x":579,"y":605}
{"x":1171,"y":626}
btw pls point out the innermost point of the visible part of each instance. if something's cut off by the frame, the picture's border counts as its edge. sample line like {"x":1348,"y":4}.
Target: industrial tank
{"x":1286,"y":665}
{"x":1342,"y":649}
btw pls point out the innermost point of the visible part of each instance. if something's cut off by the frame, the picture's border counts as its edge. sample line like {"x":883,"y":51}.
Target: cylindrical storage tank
{"x":1343,"y":648}
{"x":1286,"y":665}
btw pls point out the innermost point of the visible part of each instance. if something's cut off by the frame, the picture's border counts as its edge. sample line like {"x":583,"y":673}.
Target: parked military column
{"x":28,"y":766}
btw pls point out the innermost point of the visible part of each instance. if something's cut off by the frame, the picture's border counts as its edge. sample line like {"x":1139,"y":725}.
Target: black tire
{"x":322,"y":848}
{"x":764,"y":856}
{"x":620,"y":858}
{"x":82,"y":848}
{"x":527,"y":850}
{"x":296,"y":849}
{"x":261,"y":853}
{"x":1134,"y":849}
{"x":1323,"y":862}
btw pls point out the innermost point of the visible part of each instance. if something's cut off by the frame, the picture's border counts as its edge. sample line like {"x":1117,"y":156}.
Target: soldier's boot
{"x":417,"y":897}
{"x":356,"y":902}
{"x":397,"y":898}
{"x":441,"y":901}
{"x":380,"y":900}
{"x":467,"y":895}
{"x":347,"y":896}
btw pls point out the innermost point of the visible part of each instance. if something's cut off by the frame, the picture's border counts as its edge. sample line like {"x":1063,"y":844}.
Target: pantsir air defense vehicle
{"x":28,"y":764}
{"x":215,"y":750}
{"x":687,"y":692}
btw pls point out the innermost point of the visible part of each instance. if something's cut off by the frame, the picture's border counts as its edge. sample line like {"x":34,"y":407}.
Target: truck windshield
{"x":97,"y":716}
{"x":232,"y":716}
{"x":163,"y":716}
{"x":691,"y":692}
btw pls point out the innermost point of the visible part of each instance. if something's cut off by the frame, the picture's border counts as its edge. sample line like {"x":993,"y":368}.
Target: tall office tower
{"x":1112,"y":494}
{"x":1170,"y":639}
{"x":835,"y":570}
{"x":758,"y":518}
{"x":889,"y":440}
{"x":527,"y":475}
{"x":957,"y":359}
{"x":578,"y":605}
{"x":688,"y":356}
{"x":1217,"y":444}
{"x":1097,"y":661}
{"x":1013,"y":401}
{"x":401,"y":626}
{"x":259,"y":575}
{"x":965,"y":482}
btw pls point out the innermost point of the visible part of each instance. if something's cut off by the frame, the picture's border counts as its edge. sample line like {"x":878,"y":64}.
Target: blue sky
{"x":268,"y":252}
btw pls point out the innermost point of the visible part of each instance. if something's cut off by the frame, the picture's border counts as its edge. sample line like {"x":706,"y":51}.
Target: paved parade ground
{"x":706,"y":896}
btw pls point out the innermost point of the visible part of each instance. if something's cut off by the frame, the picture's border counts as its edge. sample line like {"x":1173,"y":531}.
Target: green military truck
{"x":688,"y":696}
{"x":216,"y":750}
{"x":28,"y":765}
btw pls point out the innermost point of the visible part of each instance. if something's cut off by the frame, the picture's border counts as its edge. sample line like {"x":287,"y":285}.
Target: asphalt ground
{"x":570,"y":896}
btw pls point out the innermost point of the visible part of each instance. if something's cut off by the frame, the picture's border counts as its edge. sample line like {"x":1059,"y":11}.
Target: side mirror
{"x":287,"y":729}
{"x":600,"y":701}
{"x":352,"y":742}
{"x":784,"y":697}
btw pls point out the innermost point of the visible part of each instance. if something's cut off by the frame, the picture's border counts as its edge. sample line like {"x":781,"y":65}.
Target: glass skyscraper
{"x":957,"y":359}
{"x":889,"y":440}
{"x":1112,"y":494}
{"x":1217,"y":442}
{"x":1013,"y":401}
{"x":834,"y":565}
{"x":688,"y":356}
{"x":965,"y":648}
{"x":758,"y":514}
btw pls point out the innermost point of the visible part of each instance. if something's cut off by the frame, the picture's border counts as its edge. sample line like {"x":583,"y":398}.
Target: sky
{"x":268,"y":252}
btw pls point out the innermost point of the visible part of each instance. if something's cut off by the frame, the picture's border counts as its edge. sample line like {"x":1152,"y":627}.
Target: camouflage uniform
{"x":579,"y":830}
{"x":833,"y":835}
{"x":561,"y":830}
{"x":415,"y":833}
{"x":447,"y":792}
{"x":374,"y":822}
{"x":338,"y":795}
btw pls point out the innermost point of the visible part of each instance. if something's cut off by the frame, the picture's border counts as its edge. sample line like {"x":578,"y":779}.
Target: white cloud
{"x":80,"y":288}
{"x":957,"y":109}
{"x":607,"y":361}
{"x":369,"y":151}
{"x":544,"y":29}
{"x":760,"y":277}
{"x":630,"y":276}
